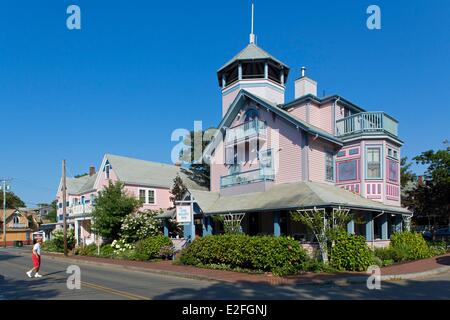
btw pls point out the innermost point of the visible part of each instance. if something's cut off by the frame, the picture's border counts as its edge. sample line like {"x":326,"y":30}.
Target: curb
{"x":338,"y":281}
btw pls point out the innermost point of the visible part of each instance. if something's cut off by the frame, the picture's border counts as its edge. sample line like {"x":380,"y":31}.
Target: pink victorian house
{"x":270,"y":156}
{"x":150,"y":182}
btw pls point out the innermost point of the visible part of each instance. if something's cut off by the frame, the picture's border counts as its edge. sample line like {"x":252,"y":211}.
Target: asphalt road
{"x":107,"y":283}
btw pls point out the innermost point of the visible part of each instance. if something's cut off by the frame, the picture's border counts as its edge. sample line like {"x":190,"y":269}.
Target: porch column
{"x":384,"y":227}
{"x":276,"y":224}
{"x":77,"y":235}
{"x":369,"y":227}
{"x":351,"y":227}
{"x":266,"y":71}
{"x":166,"y":227}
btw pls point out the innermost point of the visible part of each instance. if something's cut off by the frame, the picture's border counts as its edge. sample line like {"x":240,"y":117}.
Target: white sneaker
{"x":29,"y":274}
{"x":37,"y":275}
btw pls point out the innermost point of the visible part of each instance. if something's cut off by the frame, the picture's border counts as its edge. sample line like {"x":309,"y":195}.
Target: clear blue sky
{"x":137,"y":70}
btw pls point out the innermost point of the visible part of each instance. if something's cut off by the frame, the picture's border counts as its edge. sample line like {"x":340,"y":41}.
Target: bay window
{"x":373,"y":163}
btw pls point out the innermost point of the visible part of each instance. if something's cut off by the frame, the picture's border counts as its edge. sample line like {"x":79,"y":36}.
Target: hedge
{"x":351,"y":253}
{"x":150,"y":248}
{"x":279,"y":255}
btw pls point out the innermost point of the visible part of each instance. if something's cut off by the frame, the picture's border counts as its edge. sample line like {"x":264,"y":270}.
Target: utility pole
{"x":4,"y":186}
{"x":64,"y":205}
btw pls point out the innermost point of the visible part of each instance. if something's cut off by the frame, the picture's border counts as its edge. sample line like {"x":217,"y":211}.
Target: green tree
{"x":195,"y":143}
{"x":178,"y":190}
{"x":12,"y":201}
{"x":110,"y":208}
{"x":431,"y":199}
{"x":51,"y":216}
{"x":406,"y":174}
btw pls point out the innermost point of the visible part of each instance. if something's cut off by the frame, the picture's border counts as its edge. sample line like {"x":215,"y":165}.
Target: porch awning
{"x":290,"y":196}
{"x":168,"y":214}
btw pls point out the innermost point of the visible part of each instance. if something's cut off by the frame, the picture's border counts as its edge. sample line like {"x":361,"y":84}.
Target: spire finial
{"x":252,"y":35}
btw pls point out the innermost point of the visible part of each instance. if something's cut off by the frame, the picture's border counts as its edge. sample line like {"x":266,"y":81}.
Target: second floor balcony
{"x":367,"y":123}
{"x":246,"y":177}
{"x":79,"y":210}
{"x":247,"y":130}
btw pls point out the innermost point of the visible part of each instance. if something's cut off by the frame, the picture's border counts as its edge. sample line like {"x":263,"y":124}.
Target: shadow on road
{"x":417,"y":290}
{"x":27,"y":289}
{"x":445,"y":260}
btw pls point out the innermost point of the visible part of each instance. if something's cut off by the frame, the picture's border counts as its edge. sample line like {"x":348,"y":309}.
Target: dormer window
{"x":107,"y":169}
{"x":16,"y":220}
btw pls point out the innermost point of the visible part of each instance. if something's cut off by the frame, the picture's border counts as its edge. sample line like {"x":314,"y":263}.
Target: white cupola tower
{"x":254,"y":70}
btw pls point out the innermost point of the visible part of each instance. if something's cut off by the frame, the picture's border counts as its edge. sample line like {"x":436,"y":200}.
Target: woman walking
{"x":36,"y":257}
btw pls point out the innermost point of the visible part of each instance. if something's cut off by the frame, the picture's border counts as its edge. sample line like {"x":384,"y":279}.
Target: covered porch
{"x":269,"y":212}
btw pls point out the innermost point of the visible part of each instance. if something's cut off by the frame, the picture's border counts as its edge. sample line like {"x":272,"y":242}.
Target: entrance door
{"x":253,"y":224}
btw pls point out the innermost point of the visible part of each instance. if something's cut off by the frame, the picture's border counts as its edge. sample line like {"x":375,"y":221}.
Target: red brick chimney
{"x":420,"y":180}
{"x":91,"y":171}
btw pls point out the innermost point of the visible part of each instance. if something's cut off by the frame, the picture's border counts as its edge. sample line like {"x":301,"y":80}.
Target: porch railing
{"x":366,"y":122}
{"x":251,"y":176}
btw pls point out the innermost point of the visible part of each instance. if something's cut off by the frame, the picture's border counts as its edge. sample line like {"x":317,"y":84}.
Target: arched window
{"x":250,"y":115}
{"x":16,"y":220}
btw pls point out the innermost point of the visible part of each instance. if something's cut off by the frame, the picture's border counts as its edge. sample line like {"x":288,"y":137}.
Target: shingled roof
{"x":289,"y":196}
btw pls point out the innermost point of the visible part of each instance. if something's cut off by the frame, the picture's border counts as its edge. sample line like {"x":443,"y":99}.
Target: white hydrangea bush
{"x":141,"y":225}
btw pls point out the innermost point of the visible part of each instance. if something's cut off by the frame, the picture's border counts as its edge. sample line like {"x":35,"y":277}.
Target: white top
{"x":37,"y":248}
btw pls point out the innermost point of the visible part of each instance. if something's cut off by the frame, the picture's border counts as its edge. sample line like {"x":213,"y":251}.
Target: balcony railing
{"x":366,"y":122}
{"x":79,"y":210}
{"x":250,"y":129}
{"x":246,"y":177}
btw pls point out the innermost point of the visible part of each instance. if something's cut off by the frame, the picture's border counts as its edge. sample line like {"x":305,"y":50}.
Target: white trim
{"x":146,"y":191}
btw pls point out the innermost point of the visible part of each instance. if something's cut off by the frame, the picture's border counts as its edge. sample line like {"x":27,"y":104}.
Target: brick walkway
{"x":230,"y":276}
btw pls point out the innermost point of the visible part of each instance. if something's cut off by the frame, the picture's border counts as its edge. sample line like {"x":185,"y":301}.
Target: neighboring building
{"x":149,"y":181}
{"x":276,"y":156}
{"x":20,"y":225}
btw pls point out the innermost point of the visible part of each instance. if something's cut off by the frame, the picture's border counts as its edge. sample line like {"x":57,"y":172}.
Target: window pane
{"x":373,"y":163}
{"x":142,"y":195}
{"x":329,"y":174}
{"x":347,"y":170}
{"x":151,"y":196}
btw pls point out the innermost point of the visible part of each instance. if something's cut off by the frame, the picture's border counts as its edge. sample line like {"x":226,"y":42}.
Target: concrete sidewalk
{"x":410,"y":270}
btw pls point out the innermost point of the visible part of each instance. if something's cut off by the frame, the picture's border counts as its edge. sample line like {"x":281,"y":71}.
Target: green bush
{"x":279,"y":255}
{"x":150,"y":248}
{"x":351,"y":253}
{"x":314,"y":265}
{"x":387,"y":253}
{"x":86,"y":250}
{"x":410,"y":246}
{"x":50,"y":246}
{"x":58,"y":239}
{"x":106,"y":251}
{"x":438,"y":248}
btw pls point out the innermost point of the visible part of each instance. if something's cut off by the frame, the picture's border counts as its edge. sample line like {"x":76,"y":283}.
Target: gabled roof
{"x":238,"y":103}
{"x":289,"y":196}
{"x":80,"y":185}
{"x":152,"y":174}
{"x":311,"y":97}
{"x":252,"y":52}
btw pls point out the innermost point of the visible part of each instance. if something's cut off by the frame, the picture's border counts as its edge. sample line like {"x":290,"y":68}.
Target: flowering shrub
{"x":140,"y":226}
{"x":121,"y":247}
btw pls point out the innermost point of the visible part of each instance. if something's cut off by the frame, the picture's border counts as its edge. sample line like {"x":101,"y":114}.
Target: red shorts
{"x":36,"y":260}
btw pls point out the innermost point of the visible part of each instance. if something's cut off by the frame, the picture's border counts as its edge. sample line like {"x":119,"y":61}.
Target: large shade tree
{"x":12,"y":201}
{"x":430,"y":199}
